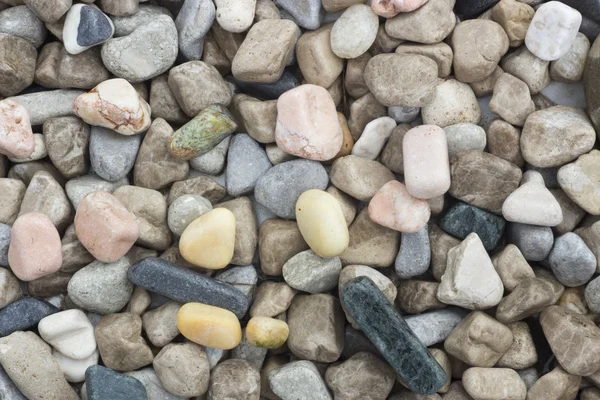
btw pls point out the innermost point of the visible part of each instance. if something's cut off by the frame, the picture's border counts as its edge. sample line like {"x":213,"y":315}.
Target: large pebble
{"x":464,"y":137}
{"x":16,"y":136}
{"x":556,"y":384}
{"x":359,"y":177}
{"x":395,"y":208}
{"x":494,"y":384}
{"x":310,"y":273}
{"x":84,"y":27}
{"x":193,"y":22}
{"x":278,"y":241}
{"x":112,"y":155}
{"x":209,"y":326}
{"x":318,"y":63}
{"x":354,"y":32}
{"x":35,"y":248}
{"x":580,"y":183}
{"x":21,"y":21}
{"x":535,"y":242}
{"x":570,"y":67}
{"x":70,"y":332}
{"x":298,"y":378}
{"x":246,"y":162}
{"x":183,"y":369}
{"x":515,"y":18}
{"x":234,"y":379}
{"x":104,"y":383}
{"x":67,"y":140}
{"x":23,"y":314}
{"x":511,"y":99}
{"x":529,"y":297}
{"x":18,"y":64}
{"x":429,"y":24}
{"x":572,"y":262}
{"x":454,"y":102}
{"x":147,"y":52}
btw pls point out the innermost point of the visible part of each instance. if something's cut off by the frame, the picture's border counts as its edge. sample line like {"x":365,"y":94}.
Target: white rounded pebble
{"x":74,"y":370}
{"x":354,"y":32}
{"x":374,"y":137}
{"x":70,"y":332}
{"x":235,"y":15}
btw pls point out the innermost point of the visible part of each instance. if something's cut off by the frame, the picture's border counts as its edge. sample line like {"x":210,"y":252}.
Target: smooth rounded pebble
{"x":186,"y":209}
{"x":266,"y":332}
{"x":209,"y":326}
{"x":395,"y":208}
{"x":70,"y":332}
{"x":354,"y":32}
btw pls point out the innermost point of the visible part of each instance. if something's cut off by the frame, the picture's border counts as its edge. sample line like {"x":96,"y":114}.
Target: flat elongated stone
{"x":103,"y":383}
{"x":23,"y":314}
{"x":184,"y":286}
{"x":463,"y":219}
{"x":382,"y":324}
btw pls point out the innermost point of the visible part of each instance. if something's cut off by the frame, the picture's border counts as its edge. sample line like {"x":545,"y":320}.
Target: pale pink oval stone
{"x":307,"y":123}
{"x":390,"y":8}
{"x":35,"y":249}
{"x":393,"y":207}
{"x":105,"y":227}
{"x":16,"y":136}
{"x":426,"y":166}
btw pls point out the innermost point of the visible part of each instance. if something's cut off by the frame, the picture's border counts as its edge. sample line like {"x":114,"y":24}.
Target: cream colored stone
{"x":511,"y":99}
{"x":209,"y":326}
{"x":512,"y":267}
{"x":522,"y":353}
{"x":454,"y":102}
{"x":531,"y":296}
{"x":581,"y":182}
{"x":317,"y":61}
{"x":515,"y":17}
{"x":555,"y":385}
{"x":266,"y":332}
{"x":494,"y":384}
{"x":440,"y":52}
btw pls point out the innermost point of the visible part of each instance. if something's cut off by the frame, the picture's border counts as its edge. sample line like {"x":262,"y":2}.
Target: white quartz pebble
{"x":70,"y":332}
{"x":354,"y":32}
{"x":374,"y":137}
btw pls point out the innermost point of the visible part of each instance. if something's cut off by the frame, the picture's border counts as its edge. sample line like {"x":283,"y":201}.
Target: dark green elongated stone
{"x":463,"y":219}
{"x":388,"y":331}
{"x":203,"y":133}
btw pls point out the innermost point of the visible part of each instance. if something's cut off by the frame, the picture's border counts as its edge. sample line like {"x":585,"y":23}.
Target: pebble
{"x":74,"y":370}
{"x":535,"y":242}
{"x":494,"y":383}
{"x":362,"y":111}
{"x":567,"y":333}
{"x":39,"y":150}
{"x":511,"y":99}
{"x":392,"y":336}
{"x":18,"y":64}
{"x":69,"y":332}
{"x":201,"y":186}
{"x":414,"y":255}
{"x":307,"y":13}
{"x":454,"y":102}
{"x":466,"y":263}
{"x":150,"y":50}
{"x":21,"y":21}
{"x":483,"y":180}
{"x":407,"y":80}
{"x":103,"y":383}
{"x":354,"y":32}
{"x":532,"y":203}
{"x":416,"y":297}
{"x":322,"y":223}
{"x":75,"y":255}
{"x":279,"y":240}
{"x":246,"y":233}
{"x":35,"y":248}
{"x":259,"y":118}
{"x":256,"y":60}
{"x":529,"y":297}
{"x":316,"y":324}
{"x":359,"y":177}
{"x":193,"y":22}
{"x":552,"y":30}
{"x":464,"y":137}
{"x":373,"y":138}
{"x":479,"y":340}
{"x":16,"y":137}
{"x":125,"y":25}
{"x":435,"y":326}
{"x":112,"y":155}
{"x":13,"y":191}
{"x":166,"y":279}
{"x":10,"y":288}
{"x":160,"y":324}
{"x":570,"y":67}
{"x":572,"y":262}
{"x":557,"y":384}
{"x":184,"y":210}
{"x":163,"y":102}
{"x":140,"y":300}
{"x":310,"y":273}
{"x":213,"y":161}
{"x":28,"y":362}
{"x":114,"y":104}
{"x":512,"y":267}
{"x":463,"y":219}
{"x":23,"y":314}
{"x":235,"y":16}
{"x":395,"y":208}
{"x":363,"y":375}
{"x":78,"y":188}
{"x":48,"y":104}
{"x":183,"y":369}
{"x":429,"y":24}
{"x":265,"y":332}
{"x":348,"y":204}
{"x":110,"y":240}
{"x":155,"y":168}
{"x":67,"y":141}
{"x":84,"y":27}
{"x":233,"y":379}
{"x":102,"y":288}
{"x":580,"y":184}
{"x":246,"y":162}
{"x":514,"y":17}
{"x":298,"y":379}
{"x":318,"y":63}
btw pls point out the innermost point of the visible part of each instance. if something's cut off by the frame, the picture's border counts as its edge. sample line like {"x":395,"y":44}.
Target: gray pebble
{"x":464,"y":137}
{"x":529,"y":376}
{"x":22,"y":22}
{"x":535,"y":242}
{"x":214,"y":356}
{"x":147,"y":52}
{"x":242,"y":278}
{"x":414,"y":255}
{"x":80,"y":187}
{"x":112,"y":155}
{"x":298,"y":380}
{"x":245,"y":351}
{"x":592,"y":295}
{"x":572,"y":262}
{"x":126,"y":25}
{"x":184,"y":210}
{"x":307,"y":13}
{"x":154,"y":388}
{"x":310,"y":273}
{"x":246,"y":162}
{"x":101,"y":288}
{"x":193,"y":22}
{"x":4,"y":243}
{"x":212,"y":163}
{"x":8,"y":390}
{"x":435,"y":326}
{"x":403,"y":115}
{"x":49,"y":104}
{"x":279,"y":188}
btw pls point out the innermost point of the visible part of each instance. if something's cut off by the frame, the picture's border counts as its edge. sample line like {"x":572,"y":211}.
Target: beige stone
{"x":384,"y":43}
{"x":266,"y":9}
{"x":271,"y":299}
{"x":494,"y":384}
{"x":318,"y":63}
{"x":348,"y":203}
{"x":429,"y":24}
{"x":581,"y":183}
{"x":511,"y":99}
{"x":246,"y":232}
{"x":574,"y":300}
{"x":234,"y":379}
{"x":10,"y":202}
{"x":485,"y":86}
{"x":139,"y":302}
{"x":555,"y":385}
{"x":363,"y":111}
{"x":529,"y":297}
{"x":514,"y":17}
{"x":479,"y":340}
{"x":266,"y":332}
{"x":359,"y":177}
{"x":163,"y":102}
{"x":257,"y":118}
{"x":416,"y":297}
{"x":183,"y":369}
{"x":557,"y":288}
{"x":454,"y":102}
{"x":572,"y":213}
{"x":440,"y":243}
{"x":278,"y":241}
{"x":591,"y":237}
{"x":10,"y":288}
{"x":522,"y":353}
{"x":391,"y":156}
{"x":18,"y":57}
{"x":75,"y":255}
{"x":441,"y":53}
{"x":160,"y":324}
{"x":49,"y":285}
{"x":528,"y":68}
{"x":569,"y":68}
{"x":67,"y":140}
{"x":370,"y":243}
{"x":354,"y":80}
{"x":45,"y":195}
{"x":201,"y":186}
{"x":504,"y":141}
{"x":25,"y":171}
{"x":512,"y":267}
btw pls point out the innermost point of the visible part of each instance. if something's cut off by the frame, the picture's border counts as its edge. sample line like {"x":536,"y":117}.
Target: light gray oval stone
{"x":80,"y":187}
{"x":112,"y":155}
{"x":22,"y":22}
{"x":193,"y":22}
{"x":298,"y":380}
{"x":535,"y":242}
{"x":279,"y":188}
{"x":101,"y":288}
{"x":572,"y":262}
{"x":435,"y":326}
{"x":184,"y":210}
{"x":310,"y":273}
{"x":4,"y":244}
{"x":246,"y":162}
{"x":126,"y":25}
{"x":464,"y":137}
{"x":414,"y":255}
{"x":212,"y":163}
{"x":147,"y":52}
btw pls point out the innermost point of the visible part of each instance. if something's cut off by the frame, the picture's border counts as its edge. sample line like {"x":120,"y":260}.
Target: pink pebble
{"x":426,"y":166}
{"x":393,"y":207}
{"x":307,"y":123}
{"x":105,"y":227}
{"x":16,"y":136}
{"x":35,"y":249}
{"x":390,"y":8}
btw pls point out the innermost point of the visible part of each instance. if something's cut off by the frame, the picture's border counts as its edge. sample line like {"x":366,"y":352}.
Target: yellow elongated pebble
{"x":267,"y":332}
{"x":209,"y":326}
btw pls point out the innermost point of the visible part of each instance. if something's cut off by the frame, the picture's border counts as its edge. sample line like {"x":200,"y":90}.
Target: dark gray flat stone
{"x":105,"y":384}
{"x":24,"y":314}
{"x":463,"y":219}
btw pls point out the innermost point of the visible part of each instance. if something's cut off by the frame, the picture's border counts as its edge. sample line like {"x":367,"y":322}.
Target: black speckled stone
{"x":104,"y":384}
{"x":185,"y":286}
{"x":463,"y":219}
{"x":268,"y":91}
{"x":24,"y":314}
{"x":94,"y":27}
{"x":467,"y":9}
{"x":388,"y":331}
{"x":587,"y":8}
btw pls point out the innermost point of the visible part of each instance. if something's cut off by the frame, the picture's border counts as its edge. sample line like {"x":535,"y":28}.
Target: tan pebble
{"x":348,"y":203}
{"x":278,"y":241}
{"x":209,"y":326}
{"x":16,"y":136}
{"x":494,"y":384}
{"x":415,"y":297}
{"x":555,"y":385}
{"x":271,"y":299}
{"x":529,"y":297}
{"x":522,"y":353}
{"x":359,"y":177}
{"x":574,"y":300}
{"x":183,"y":369}
{"x":12,"y":191}
{"x":266,"y":332}
{"x":512,"y":267}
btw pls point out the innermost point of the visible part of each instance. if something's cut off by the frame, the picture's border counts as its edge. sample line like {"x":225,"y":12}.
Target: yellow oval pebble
{"x":209,"y":241}
{"x":322,"y":223}
{"x":269,"y":333}
{"x":209,"y":326}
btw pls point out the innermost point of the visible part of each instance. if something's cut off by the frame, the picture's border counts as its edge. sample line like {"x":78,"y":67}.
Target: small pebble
{"x":193,"y":22}
{"x":10,"y":288}
{"x":233,"y":379}
{"x":18,"y":64}
{"x":183,"y":369}
{"x":580,"y":184}
{"x":512,"y":267}
{"x":463,"y":219}
{"x":415,"y":254}
{"x":435,"y":326}
{"x":70,"y":332}
{"x":103,"y":383}
{"x":85,"y":27}
{"x":556,"y":383}
{"x":494,"y":383}
{"x":535,"y":242}
{"x":354,"y":32}
{"x":246,"y":162}
{"x":112,"y":156}
{"x":23,"y":314}
{"x":572,"y":262}
{"x":529,"y":297}
{"x":464,"y":137}
{"x":310,"y":273}
{"x":184,"y":210}
{"x":429,"y":24}
{"x":266,"y":332}
{"x":298,"y":378}
{"x":193,"y":318}
{"x":307,"y":13}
